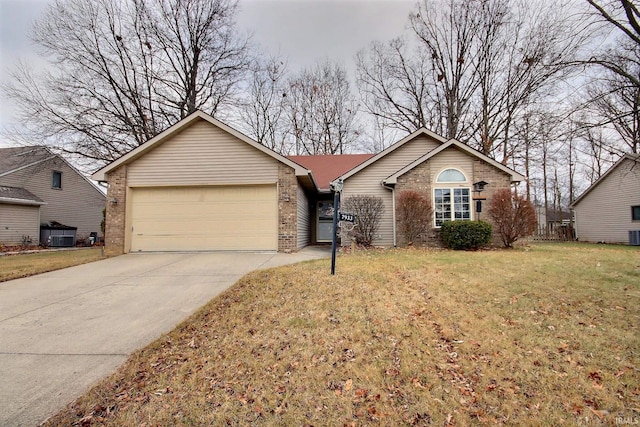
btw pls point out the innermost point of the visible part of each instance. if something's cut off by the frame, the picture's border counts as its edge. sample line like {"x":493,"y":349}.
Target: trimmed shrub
{"x":466,"y":235}
{"x":414,"y":214}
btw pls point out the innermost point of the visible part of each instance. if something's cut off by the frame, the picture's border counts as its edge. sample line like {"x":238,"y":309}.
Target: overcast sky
{"x":302,"y":31}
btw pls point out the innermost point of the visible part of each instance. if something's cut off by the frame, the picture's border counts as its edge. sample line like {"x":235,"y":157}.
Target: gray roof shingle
{"x":14,"y":158}
{"x":18,"y":194}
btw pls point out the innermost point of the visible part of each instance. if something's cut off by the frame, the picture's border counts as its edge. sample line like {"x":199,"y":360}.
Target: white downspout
{"x":393,"y":211}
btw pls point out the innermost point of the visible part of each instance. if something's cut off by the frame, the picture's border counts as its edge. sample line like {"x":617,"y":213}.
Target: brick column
{"x":116,"y":211}
{"x":287,"y":209}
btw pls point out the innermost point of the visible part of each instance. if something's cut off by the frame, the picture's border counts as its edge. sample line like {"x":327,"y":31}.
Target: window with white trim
{"x":451,"y":203}
{"x":635,"y":213}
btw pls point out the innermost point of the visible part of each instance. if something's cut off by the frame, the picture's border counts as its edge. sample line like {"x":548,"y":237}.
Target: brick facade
{"x":287,"y":209}
{"x":497,"y":179}
{"x":419,"y":179}
{"x":116,"y":211}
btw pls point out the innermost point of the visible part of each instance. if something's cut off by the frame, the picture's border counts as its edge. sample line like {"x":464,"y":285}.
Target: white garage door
{"x":204,"y":218}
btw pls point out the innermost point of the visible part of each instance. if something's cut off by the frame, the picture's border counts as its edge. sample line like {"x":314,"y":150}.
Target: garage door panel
{"x":204,"y":218}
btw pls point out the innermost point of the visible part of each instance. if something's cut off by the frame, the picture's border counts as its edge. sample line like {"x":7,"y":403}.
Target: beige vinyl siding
{"x":204,"y":218}
{"x":77,"y":204}
{"x":202,"y":154}
{"x":604,"y":214}
{"x":304,"y":219}
{"x":369,"y":180}
{"x":17,"y":221}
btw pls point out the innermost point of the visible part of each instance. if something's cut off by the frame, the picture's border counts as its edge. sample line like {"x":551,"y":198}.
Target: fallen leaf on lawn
{"x":600,"y":414}
{"x":595,"y":376}
{"x":361,"y":392}
{"x":348,"y":385}
{"x":576,"y":408}
{"x":417,"y":383}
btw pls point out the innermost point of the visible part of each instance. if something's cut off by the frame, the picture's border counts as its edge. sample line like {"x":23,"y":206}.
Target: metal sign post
{"x":336,"y":186}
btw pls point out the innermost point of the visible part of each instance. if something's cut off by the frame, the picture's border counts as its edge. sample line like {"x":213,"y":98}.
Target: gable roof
{"x":632,"y":157}
{"x":515,"y":176}
{"x":100,"y":175}
{"x":19,"y":196}
{"x":392,"y":148}
{"x":326,"y":168}
{"x":14,"y":159}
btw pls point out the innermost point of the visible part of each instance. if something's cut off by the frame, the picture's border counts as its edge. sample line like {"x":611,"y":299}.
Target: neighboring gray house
{"x":38,"y":187}
{"x":19,"y":215}
{"x":609,"y":209}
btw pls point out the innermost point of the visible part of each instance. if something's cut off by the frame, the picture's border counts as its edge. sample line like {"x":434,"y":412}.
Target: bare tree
{"x":368,"y":210}
{"x":523,"y":55}
{"x":414,"y":213}
{"x":613,"y":95}
{"x":430,"y":85}
{"x":475,"y":70}
{"x":122,"y":71}
{"x":321,"y":110}
{"x":396,"y":87}
{"x":624,"y":16}
{"x":202,"y":57}
{"x":513,"y":216}
{"x":263,"y":108}
{"x":596,"y":148}
{"x":615,"y":104}
{"x":448,"y":33}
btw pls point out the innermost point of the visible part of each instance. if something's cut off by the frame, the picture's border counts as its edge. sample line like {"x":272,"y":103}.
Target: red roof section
{"x":326,"y":168}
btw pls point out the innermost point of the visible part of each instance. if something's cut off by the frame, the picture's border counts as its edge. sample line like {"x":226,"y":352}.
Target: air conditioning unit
{"x":634,"y":237}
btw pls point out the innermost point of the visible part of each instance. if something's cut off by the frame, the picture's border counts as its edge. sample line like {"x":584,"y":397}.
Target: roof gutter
{"x":393,"y":210}
{"x":14,"y":201}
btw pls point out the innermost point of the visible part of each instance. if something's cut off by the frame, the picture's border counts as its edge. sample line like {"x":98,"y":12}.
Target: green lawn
{"x":23,"y":265}
{"x":542,"y":335}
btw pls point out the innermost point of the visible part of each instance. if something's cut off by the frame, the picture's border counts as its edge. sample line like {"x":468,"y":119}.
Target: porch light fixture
{"x":336,"y":186}
{"x":478,"y":187}
{"x":113,"y":201}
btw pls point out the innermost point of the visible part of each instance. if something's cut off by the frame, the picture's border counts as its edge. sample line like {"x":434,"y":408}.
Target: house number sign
{"x":348,"y":217}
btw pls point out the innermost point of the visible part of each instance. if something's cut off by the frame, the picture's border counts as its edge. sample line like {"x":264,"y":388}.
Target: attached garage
{"x":203,"y":186}
{"x":209,"y":218}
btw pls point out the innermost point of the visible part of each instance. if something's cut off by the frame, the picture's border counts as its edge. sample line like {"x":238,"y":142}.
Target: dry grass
{"x":23,"y":265}
{"x":547,"y":335}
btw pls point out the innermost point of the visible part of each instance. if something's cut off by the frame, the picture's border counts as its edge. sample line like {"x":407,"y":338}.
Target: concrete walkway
{"x":61,"y":332}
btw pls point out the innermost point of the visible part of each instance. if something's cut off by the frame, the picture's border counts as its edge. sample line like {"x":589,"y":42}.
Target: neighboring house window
{"x":635,"y":213}
{"x":56,"y":179}
{"x":451,"y":203}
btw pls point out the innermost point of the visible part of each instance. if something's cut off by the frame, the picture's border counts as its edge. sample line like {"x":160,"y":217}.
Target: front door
{"x":325,"y":221}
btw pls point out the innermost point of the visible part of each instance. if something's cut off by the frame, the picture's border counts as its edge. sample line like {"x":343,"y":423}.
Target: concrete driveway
{"x":61,"y":332}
